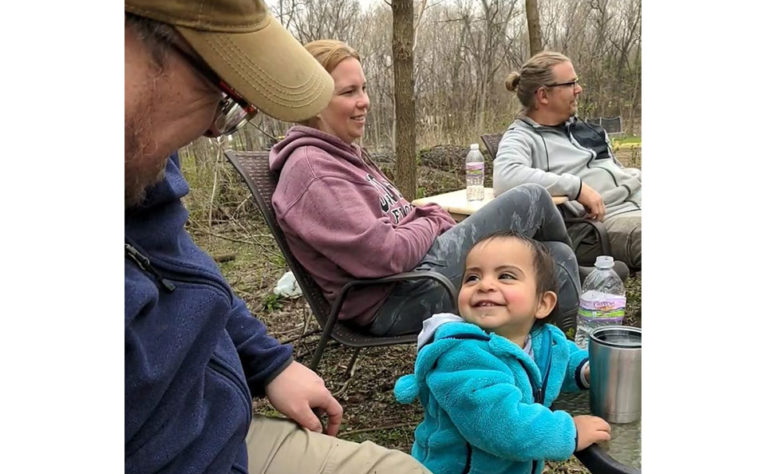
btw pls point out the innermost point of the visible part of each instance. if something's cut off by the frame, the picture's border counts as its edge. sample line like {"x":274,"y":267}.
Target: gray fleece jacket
{"x":560,"y":159}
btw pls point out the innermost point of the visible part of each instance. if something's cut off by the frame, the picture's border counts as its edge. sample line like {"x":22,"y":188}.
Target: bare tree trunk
{"x":404,"y":99}
{"x":418,"y":22}
{"x":533,"y":25}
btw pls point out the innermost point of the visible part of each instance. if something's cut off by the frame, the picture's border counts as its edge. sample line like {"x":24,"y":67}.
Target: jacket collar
{"x":537,"y":126}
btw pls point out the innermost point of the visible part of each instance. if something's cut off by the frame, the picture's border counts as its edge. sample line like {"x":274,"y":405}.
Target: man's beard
{"x":142,"y":169}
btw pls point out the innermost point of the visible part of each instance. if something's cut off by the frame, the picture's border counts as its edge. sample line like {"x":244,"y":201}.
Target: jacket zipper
{"x":467,"y":467}
{"x":538,"y":392}
{"x":573,"y":141}
{"x":167,"y":274}
{"x":145,"y":264}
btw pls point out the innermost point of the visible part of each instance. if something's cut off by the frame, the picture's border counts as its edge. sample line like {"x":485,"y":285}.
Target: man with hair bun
{"x":548,"y":145}
{"x":194,"y":355}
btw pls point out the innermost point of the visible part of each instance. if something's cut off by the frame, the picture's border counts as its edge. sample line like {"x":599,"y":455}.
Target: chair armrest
{"x":599,"y":462}
{"x":335,"y":309}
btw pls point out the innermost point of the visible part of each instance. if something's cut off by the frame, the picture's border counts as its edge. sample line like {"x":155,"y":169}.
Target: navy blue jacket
{"x":194,"y":355}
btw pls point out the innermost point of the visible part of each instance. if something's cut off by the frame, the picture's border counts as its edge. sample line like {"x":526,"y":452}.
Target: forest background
{"x":462,"y":50}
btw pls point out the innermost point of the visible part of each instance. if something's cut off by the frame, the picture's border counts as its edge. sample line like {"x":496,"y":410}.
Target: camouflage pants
{"x":624,"y":234}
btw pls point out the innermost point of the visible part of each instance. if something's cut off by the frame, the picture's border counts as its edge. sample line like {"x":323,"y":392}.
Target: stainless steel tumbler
{"x":615,"y":373}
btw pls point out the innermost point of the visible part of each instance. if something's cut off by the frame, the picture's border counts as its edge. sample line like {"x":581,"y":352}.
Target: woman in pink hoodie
{"x":344,"y":219}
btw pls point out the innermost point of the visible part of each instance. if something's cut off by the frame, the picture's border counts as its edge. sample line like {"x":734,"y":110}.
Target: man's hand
{"x":591,"y":429}
{"x":591,"y":199}
{"x":297,"y":391}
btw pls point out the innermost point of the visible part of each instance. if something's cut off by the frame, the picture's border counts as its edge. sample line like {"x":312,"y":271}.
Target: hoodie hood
{"x":444,"y":332}
{"x":431,"y":324}
{"x":171,"y":187}
{"x":567,"y":123}
{"x":300,"y":135}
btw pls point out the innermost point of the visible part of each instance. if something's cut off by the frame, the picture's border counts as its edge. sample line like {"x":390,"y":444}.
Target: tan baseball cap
{"x":250,"y":50}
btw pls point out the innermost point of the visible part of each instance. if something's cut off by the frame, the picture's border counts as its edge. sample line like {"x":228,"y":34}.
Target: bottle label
{"x":603,"y":302}
{"x":474,"y":169}
{"x":607,"y":308}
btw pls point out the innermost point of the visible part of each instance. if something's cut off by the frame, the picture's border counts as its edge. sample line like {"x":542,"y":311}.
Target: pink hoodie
{"x":343,"y":219}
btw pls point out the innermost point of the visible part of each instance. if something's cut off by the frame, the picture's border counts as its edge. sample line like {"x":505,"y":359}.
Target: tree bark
{"x":404,"y":100}
{"x":533,"y":25}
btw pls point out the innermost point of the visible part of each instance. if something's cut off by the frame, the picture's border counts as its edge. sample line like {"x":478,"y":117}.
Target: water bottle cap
{"x":604,"y":261}
{"x":474,"y":146}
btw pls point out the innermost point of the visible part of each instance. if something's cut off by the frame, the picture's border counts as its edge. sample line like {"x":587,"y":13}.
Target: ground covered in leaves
{"x":230,"y":228}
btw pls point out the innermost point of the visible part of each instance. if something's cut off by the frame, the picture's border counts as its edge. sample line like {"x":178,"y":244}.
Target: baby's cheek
{"x":463,"y":301}
{"x":515,"y":297}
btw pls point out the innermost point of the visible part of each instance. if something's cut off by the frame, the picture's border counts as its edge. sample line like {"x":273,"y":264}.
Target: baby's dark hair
{"x":545,"y":278}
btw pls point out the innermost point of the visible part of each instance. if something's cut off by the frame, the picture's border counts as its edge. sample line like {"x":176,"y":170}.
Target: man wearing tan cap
{"x":194,"y":355}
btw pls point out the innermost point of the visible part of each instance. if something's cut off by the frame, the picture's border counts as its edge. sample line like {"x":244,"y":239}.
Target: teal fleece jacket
{"x":477,"y":391}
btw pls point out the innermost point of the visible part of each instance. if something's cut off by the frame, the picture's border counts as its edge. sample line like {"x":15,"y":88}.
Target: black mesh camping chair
{"x":597,"y":229}
{"x":254,"y":168}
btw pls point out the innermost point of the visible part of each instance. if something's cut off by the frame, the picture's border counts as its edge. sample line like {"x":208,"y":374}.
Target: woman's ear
{"x":546,"y":304}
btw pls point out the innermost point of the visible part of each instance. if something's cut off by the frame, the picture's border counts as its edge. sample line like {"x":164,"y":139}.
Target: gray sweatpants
{"x":527,"y":209}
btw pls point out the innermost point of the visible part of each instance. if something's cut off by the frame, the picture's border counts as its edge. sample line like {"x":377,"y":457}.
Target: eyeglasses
{"x":233,"y":110}
{"x":571,"y":84}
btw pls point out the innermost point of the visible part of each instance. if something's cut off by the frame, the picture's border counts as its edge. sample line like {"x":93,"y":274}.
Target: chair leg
{"x":319,"y":350}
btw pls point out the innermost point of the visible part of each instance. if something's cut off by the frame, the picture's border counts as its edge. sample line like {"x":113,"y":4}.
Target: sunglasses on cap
{"x":233,"y":110}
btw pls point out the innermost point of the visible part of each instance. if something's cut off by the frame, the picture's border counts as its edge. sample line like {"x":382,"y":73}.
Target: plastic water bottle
{"x":474,"y":174}
{"x":602,"y":302}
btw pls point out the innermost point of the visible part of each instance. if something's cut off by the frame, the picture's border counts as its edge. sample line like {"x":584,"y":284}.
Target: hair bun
{"x":512,"y":81}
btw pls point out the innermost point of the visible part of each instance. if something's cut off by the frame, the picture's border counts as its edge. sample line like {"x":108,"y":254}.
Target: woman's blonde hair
{"x":330,"y":53}
{"x":535,"y":73}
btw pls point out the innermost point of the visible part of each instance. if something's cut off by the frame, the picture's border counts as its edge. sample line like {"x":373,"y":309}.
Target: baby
{"x":486,"y":379}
